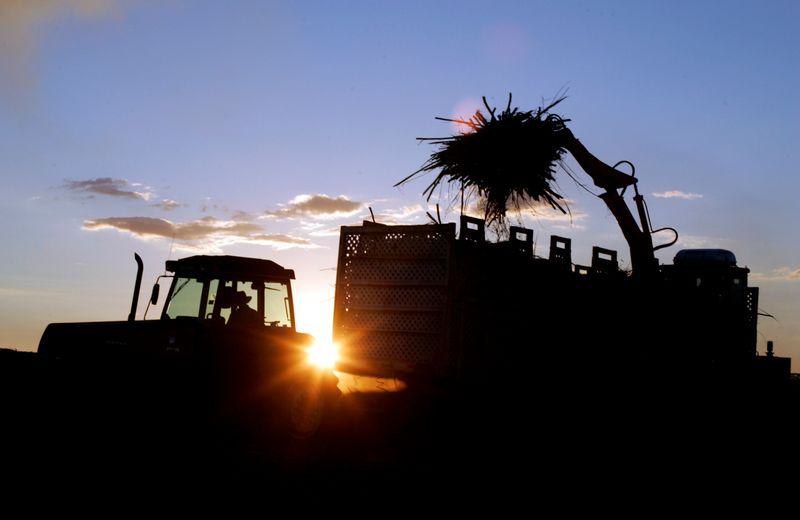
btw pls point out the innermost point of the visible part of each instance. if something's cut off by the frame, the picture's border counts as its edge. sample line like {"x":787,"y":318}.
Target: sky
{"x":257,"y":128}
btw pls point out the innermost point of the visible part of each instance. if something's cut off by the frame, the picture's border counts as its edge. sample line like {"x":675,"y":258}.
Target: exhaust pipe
{"x":139,"y":270}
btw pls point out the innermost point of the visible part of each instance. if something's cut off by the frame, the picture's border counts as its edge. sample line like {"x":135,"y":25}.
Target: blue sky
{"x":257,"y":128}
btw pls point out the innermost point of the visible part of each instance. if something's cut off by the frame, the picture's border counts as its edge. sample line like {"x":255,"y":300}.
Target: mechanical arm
{"x":639,"y":237}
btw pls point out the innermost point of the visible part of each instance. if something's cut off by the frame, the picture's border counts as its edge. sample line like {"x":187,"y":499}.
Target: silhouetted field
{"x":412,"y":447}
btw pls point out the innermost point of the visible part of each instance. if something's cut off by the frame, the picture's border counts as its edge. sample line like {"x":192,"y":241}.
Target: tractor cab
{"x":230,"y":290}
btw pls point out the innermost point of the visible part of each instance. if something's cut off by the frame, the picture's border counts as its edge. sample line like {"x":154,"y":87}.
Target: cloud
{"x":147,"y":227}
{"x":108,"y":186}
{"x":698,"y":241}
{"x":240,"y":215}
{"x":20,"y":23}
{"x":167,"y":204}
{"x":402,"y":215}
{"x":778,"y":274}
{"x":543,"y":212}
{"x":414,"y":214}
{"x":319,"y":229}
{"x":280,"y":241}
{"x":318,"y":206}
{"x":201,"y":234}
{"x":676,"y":194}
{"x":327,"y":232}
{"x":537,"y":211}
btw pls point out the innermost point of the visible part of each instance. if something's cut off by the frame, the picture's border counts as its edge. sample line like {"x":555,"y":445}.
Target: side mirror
{"x":154,"y":294}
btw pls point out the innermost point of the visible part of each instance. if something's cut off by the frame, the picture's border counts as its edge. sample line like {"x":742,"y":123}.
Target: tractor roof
{"x":228,"y":266}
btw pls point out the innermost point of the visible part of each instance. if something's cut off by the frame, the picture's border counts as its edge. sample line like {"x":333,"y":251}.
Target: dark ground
{"x":451,"y":450}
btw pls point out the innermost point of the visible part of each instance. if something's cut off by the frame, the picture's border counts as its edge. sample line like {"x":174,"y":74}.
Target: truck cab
{"x":710,"y":297}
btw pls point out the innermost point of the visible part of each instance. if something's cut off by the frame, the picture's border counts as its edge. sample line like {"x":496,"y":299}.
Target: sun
{"x":323,"y":353}
{"x":315,"y":317}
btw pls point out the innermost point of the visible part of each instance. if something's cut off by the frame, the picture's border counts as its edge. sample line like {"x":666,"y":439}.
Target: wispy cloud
{"x":148,"y":227}
{"x":207,"y":232}
{"x":548,"y":214}
{"x":20,"y":24}
{"x":167,"y":204}
{"x":280,"y":241}
{"x":777,"y":274}
{"x":698,"y":241}
{"x":241,"y":216}
{"x":677,"y":194}
{"x":327,"y":232}
{"x":110,"y":187}
{"x":536,"y":211}
{"x":318,"y":206}
{"x":402,"y":215}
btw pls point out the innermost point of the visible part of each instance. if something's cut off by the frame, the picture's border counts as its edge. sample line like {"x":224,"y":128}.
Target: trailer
{"x":425,"y":303}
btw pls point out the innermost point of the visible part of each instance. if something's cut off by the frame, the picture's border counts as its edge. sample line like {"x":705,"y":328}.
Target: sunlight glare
{"x":464,"y":110}
{"x":323,"y":354}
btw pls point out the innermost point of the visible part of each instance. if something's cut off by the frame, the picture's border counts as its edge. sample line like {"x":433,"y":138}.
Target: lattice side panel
{"x":752,"y":317}
{"x":392,"y":293}
{"x":386,"y":346}
{"x":371,"y":270}
{"x":419,"y":322}
{"x":752,"y":305}
{"x":420,"y":243}
{"x":395,"y":297}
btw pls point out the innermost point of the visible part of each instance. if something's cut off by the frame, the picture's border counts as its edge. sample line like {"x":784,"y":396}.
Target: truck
{"x":222,"y":369}
{"x":489,"y":358}
{"x":428,"y":303}
{"x":423,"y":301}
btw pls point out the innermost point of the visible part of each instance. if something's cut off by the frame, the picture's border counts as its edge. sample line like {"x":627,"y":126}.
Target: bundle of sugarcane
{"x":505,"y":160}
